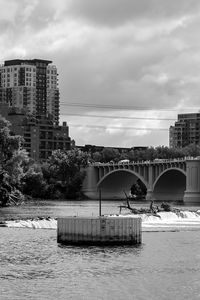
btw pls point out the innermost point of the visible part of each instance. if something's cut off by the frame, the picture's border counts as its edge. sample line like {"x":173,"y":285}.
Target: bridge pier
{"x":192,"y":192}
{"x":150,"y":195}
{"x":89,"y":187}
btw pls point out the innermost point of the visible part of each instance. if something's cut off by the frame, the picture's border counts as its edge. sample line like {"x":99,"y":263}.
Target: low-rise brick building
{"x":41,"y":135}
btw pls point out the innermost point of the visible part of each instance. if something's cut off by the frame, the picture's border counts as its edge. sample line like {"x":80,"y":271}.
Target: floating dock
{"x":99,"y":230}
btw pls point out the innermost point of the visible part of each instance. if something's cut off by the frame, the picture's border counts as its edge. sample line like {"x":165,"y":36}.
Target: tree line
{"x":62,"y":174}
{"x":149,"y":153}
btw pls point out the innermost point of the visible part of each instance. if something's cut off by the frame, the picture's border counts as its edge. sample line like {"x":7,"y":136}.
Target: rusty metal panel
{"x":99,"y":230}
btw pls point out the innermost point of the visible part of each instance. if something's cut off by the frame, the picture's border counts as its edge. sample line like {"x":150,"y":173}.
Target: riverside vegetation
{"x":62,"y":174}
{"x":59,"y":177}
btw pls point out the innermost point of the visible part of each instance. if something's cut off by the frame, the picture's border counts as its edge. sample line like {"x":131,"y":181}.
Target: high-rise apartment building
{"x":31,"y":84}
{"x":29,"y":99}
{"x":185,"y":131}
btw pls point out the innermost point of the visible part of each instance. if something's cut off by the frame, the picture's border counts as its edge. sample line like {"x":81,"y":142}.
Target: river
{"x":33,"y":266}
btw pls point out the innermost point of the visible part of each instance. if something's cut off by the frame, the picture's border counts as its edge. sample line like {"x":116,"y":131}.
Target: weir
{"x":165,"y":220}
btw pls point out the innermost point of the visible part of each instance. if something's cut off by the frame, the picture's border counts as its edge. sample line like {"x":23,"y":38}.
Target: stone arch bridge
{"x":165,"y":180}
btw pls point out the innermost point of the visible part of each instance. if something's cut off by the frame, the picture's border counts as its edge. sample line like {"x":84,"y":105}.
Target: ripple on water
{"x":34,"y":266}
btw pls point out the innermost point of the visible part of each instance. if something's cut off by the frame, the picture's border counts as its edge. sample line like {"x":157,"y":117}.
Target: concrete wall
{"x":99,"y":230}
{"x":192,"y":193}
{"x":167,"y":180}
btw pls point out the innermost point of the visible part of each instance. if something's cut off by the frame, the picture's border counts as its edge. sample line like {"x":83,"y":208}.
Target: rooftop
{"x":26,"y":61}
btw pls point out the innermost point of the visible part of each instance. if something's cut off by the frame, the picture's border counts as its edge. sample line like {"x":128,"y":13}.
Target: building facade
{"x":41,"y":135}
{"x":29,"y":99}
{"x":31,"y":85}
{"x":185,"y":131}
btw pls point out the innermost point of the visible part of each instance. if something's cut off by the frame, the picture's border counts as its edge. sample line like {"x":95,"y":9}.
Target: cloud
{"x":117,"y":12}
{"x":143,"y":54}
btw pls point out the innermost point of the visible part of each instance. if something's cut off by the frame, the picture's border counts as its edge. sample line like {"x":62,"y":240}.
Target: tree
{"x":16,"y":167}
{"x":191,"y":150}
{"x":8,"y":143}
{"x":109,"y":154}
{"x":12,"y":161}
{"x":138,"y":189}
{"x":33,"y":182}
{"x":64,"y":172}
{"x":97,"y":156}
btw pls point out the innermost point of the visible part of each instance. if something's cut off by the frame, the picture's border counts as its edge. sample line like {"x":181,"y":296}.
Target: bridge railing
{"x":142,"y":162}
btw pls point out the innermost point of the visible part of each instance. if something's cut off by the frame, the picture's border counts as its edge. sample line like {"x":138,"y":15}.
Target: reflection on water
{"x":102,"y":252}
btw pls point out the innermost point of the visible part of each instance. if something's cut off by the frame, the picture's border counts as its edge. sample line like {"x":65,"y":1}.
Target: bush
{"x":34,"y":184}
{"x":166,"y":206}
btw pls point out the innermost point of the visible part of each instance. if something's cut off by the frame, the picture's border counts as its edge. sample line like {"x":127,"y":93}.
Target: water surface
{"x":33,"y":266}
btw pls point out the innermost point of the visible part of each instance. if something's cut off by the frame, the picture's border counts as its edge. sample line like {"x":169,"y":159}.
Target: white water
{"x":171,"y":221}
{"x":35,"y":224}
{"x":166,"y":221}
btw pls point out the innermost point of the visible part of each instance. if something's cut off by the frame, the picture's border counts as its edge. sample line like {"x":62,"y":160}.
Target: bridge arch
{"x":170,"y":185}
{"x":114,"y":183}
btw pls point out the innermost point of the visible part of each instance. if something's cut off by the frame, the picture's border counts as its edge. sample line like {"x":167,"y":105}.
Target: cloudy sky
{"x":126,"y":67}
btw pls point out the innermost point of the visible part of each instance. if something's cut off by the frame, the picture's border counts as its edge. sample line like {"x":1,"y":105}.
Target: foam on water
{"x":170,"y":220}
{"x":35,"y":224}
{"x":178,"y":220}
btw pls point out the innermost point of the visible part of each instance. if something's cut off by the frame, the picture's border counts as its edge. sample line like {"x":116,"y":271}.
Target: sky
{"x":126,"y":68}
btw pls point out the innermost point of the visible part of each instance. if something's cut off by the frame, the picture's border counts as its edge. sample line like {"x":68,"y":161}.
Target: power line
{"x":121,"y":107}
{"x":119,"y":117}
{"x":117,"y":127}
